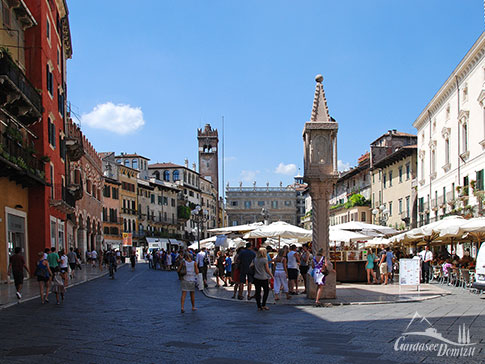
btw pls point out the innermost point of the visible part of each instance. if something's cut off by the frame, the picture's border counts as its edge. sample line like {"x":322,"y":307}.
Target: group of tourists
{"x":53,"y":271}
{"x":247,"y":266}
{"x":160,"y":259}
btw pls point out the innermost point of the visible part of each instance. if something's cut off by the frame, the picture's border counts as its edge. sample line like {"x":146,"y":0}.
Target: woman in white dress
{"x":187,"y":282}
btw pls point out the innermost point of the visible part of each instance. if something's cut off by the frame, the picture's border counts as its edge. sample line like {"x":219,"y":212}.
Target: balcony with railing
{"x":62,"y":199}
{"x":17,"y":95}
{"x":128,"y":211}
{"x":74,"y":142}
{"x":17,"y":161}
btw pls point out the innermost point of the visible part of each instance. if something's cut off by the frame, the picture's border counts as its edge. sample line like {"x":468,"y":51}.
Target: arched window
{"x":156,"y":175}
{"x":175,"y":175}
{"x":166,"y":176}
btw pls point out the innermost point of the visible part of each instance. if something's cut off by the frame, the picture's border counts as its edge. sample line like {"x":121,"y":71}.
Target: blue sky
{"x":145,"y":75}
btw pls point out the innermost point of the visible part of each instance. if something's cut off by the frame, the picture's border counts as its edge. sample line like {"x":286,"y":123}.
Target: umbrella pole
{"x":279,"y":242}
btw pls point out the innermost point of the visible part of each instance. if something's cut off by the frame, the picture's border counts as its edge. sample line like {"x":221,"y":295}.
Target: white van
{"x":480,"y":269}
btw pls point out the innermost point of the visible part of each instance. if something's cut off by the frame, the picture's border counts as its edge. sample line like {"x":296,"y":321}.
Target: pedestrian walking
{"x":246,"y":257}
{"x":168,"y":261}
{"x":304,"y":267}
{"x":220,"y":270}
{"x":94,"y":258}
{"x":369,"y":267}
{"x":72,"y":260}
{"x":53,"y":260}
{"x":16,"y":268}
{"x":320,"y":270}
{"x":111,"y":261}
{"x":202,"y":261}
{"x":133,"y":259}
{"x":262,"y":275}
{"x":58,"y":287}
{"x":228,"y":268}
{"x":187,"y":283}
{"x":43,"y":274}
{"x":293,"y":262}
{"x":280,"y":275}
{"x":64,"y":267}
{"x":235,"y":274}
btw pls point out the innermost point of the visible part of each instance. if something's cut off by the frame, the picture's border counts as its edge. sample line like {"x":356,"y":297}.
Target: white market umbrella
{"x":449,"y":222}
{"x":280,"y":229}
{"x":376,"y":242}
{"x":236,"y":229}
{"x":345,"y":236}
{"x":367,"y":229}
{"x":475,"y":225}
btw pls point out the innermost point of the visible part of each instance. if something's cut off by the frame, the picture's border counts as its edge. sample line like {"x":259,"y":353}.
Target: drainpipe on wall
{"x":430,"y":165}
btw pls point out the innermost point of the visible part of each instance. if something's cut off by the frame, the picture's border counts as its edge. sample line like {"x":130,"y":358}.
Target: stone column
{"x":320,"y":172}
{"x":320,"y":192}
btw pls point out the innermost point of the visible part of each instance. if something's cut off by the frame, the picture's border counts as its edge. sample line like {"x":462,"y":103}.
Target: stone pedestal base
{"x":329,"y":290}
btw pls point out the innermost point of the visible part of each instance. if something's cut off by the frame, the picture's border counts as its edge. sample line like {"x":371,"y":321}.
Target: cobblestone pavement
{"x":347,"y":294}
{"x":30,"y":289}
{"x":136,"y":319}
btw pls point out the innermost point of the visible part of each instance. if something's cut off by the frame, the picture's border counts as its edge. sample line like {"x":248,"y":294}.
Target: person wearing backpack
{"x":43,"y":274}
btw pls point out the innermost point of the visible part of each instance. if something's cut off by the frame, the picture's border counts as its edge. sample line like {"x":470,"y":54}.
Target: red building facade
{"x":47,"y":47}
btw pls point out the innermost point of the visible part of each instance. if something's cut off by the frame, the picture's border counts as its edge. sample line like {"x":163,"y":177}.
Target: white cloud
{"x":287,"y":169}
{"x":120,"y":118}
{"x":343,"y":166}
{"x":249,"y":176}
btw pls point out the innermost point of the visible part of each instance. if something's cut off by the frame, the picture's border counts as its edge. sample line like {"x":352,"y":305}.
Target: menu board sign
{"x":409,"y":272}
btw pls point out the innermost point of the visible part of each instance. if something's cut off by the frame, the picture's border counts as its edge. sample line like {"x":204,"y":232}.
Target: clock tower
{"x":208,"y":158}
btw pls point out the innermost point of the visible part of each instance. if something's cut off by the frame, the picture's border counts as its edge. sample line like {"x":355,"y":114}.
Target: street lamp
{"x":265,"y":215}
{"x":200,"y":216}
{"x":383,"y":213}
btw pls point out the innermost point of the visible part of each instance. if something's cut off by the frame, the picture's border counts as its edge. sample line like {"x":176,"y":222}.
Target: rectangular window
{"x":53,"y":234}
{"x":260,"y":203}
{"x":274,"y":204}
{"x":247,"y":204}
{"x":233,"y":203}
{"x":49,"y":80}
{"x":165,"y":201}
{"x":51,"y":132}
{"x":106,"y":191}
{"x":287,"y":203}
{"x":444,"y":195}
{"x":447,"y":151}
{"x":172,"y":202}
{"x":62,"y":147}
{"x":390,"y":178}
{"x":408,"y":171}
{"x":479,"y":182}
{"x":5,"y":15}
{"x":400,"y":174}
{"x":390,"y":208}
{"x":152,"y":198}
{"x":48,"y":29}
{"x":400,"y":205}
{"x":408,"y":206}
{"x":363,"y":216}
{"x":115,"y":191}
{"x":385,"y":180}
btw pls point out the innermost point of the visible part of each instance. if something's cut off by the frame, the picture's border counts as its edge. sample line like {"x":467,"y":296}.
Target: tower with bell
{"x":208,"y":158}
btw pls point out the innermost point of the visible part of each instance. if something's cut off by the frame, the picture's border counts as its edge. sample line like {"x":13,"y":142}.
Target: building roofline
{"x":460,"y":71}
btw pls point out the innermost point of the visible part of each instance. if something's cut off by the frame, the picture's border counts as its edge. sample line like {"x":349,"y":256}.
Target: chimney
{"x":186,"y":163}
{"x":194,"y":167}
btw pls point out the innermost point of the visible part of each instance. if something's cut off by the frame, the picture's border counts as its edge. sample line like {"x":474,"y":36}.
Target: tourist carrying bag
{"x":183,"y":271}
